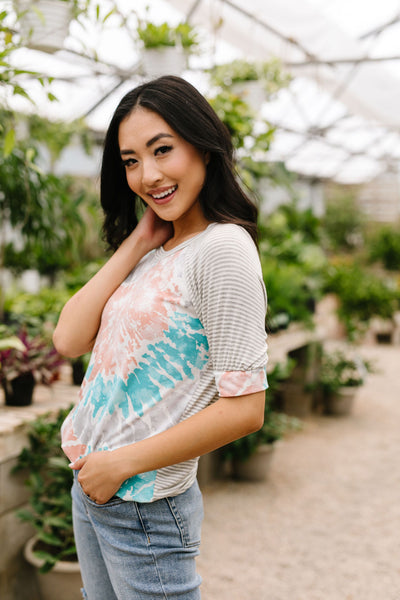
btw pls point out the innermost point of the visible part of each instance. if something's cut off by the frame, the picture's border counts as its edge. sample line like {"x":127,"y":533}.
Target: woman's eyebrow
{"x":152,"y":141}
{"x":155,"y":139}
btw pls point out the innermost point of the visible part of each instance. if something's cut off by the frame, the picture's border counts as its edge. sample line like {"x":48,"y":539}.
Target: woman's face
{"x":165,"y":170}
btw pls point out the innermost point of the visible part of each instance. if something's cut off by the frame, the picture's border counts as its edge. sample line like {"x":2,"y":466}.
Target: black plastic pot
{"x":19,"y":391}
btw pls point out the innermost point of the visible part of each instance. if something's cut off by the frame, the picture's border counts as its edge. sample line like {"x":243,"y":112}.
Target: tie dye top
{"x":185,"y":327}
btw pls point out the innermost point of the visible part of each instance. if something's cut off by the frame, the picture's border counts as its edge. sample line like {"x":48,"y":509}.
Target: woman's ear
{"x":207,"y":157}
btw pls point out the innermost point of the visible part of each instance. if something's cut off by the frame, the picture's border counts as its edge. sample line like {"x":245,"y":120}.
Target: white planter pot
{"x":341,"y":403}
{"x":44,"y":24}
{"x":62,"y":582}
{"x":255,"y":468}
{"x":169,"y":60}
{"x":251,"y":92}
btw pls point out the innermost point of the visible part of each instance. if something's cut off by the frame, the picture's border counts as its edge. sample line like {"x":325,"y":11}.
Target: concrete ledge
{"x":17,"y":580}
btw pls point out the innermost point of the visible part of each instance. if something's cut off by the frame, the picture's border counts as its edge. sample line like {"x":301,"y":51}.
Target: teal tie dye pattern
{"x":183,"y":351}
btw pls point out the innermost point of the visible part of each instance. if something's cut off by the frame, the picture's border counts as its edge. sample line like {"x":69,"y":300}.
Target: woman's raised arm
{"x":80,"y":318}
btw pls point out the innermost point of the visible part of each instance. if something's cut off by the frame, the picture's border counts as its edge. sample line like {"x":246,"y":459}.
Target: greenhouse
{"x":302,"y":505}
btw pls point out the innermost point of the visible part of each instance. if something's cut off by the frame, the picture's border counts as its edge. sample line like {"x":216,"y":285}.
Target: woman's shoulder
{"x":224,"y":236}
{"x":223,"y":245}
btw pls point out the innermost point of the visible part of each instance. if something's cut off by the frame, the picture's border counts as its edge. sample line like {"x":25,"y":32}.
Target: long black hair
{"x":189,"y":114}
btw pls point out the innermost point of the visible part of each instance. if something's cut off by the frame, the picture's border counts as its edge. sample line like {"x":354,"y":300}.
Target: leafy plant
{"x":275,"y":424}
{"x":48,"y":215}
{"x":12,"y":77}
{"x":187,"y":35}
{"x":236,"y":71}
{"x":269,"y":73}
{"x":58,"y":135}
{"x":290,"y":290}
{"x":241,"y":123}
{"x":362,"y":295}
{"x":164,"y":35}
{"x":274,"y":428}
{"x":236,"y":115}
{"x":35,"y":312}
{"x":77,"y":7}
{"x":384,"y":246}
{"x":35,"y":356}
{"x":8,"y":341}
{"x":156,"y":36}
{"x":343,"y":222}
{"x":338,"y":370}
{"x":49,"y":480}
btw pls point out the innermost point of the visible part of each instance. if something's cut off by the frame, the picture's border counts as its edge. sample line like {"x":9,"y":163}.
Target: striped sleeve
{"x":225,"y":283}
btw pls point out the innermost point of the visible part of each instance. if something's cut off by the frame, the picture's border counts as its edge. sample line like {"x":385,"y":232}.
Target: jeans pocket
{"x":187,"y":509}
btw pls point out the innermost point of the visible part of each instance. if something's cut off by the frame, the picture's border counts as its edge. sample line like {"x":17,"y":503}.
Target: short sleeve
{"x":225,"y":283}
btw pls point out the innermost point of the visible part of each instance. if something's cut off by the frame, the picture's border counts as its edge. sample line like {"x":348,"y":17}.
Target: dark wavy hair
{"x":189,"y":114}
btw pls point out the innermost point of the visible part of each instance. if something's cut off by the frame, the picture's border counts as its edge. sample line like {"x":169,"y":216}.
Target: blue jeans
{"x":139,"y":551}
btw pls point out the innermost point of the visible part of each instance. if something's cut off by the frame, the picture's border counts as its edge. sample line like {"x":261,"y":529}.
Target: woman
{"x":175,"y":321}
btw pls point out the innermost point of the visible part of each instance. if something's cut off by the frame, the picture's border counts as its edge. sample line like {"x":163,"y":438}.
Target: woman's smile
{"x":162,"y":197}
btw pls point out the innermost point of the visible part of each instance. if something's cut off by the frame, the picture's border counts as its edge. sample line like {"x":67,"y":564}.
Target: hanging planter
{"x":44,"y":24}
{"x":169,"y":60}
{"x":251,"y":92}
{"x":166,"y":48}
{"x":252,"y":82}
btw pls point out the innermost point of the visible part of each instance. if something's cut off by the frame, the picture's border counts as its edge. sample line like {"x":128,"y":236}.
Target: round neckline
{"x":161,"y":250}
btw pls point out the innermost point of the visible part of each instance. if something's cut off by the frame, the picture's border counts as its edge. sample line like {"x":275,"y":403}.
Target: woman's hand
{"x":153,"y":230}
{"x":100,"y":475}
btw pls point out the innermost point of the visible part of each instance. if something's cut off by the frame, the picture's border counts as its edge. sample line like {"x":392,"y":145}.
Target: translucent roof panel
{"x":339,"y":118}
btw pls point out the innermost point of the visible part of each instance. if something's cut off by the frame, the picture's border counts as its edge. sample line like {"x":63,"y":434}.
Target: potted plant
{"x":33,"y":361}
{"x":44,"y":24}
{"x":165,"y":47}
{"x":52,"y":550}
{"x":253,"y":82}
{"x":363,"y":295}
{"x":339,"y":377}
{"x":250,"y":456}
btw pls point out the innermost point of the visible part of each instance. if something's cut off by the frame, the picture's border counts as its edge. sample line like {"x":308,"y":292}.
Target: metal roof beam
{"x":340,"y":61}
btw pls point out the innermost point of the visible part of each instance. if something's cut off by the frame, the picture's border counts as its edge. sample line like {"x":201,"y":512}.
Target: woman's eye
{"x":163,"y":149}
{"x":129,"y":162}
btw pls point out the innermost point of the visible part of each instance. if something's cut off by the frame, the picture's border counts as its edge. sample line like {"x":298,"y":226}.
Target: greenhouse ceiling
{"x":338,"y":119}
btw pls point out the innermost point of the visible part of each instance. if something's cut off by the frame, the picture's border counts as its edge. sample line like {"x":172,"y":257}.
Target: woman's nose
{"x":151,"y":173}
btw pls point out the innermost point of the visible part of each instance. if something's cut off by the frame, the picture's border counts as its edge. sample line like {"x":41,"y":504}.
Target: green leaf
{"x":9,"y":142}
{"x":43,"y":555}
{"x":49,"y":538}
{"x":25,"y":515}
{"x":70,"y":551}
{"x":30,"y":155}
{"x":59,"y":462}
{"x":56,"y":522}
{"x":108,"y":15}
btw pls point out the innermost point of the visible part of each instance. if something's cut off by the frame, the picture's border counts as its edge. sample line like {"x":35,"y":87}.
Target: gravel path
{"x":326,"y":525}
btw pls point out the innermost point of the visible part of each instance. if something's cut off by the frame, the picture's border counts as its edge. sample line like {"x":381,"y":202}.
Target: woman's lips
{"x":164,"y":199}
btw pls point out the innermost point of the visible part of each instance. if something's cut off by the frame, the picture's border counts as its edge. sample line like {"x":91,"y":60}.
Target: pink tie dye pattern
{"x":239,"y":383}
{"x":69,"y":445}
{"x":124,"y":332}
